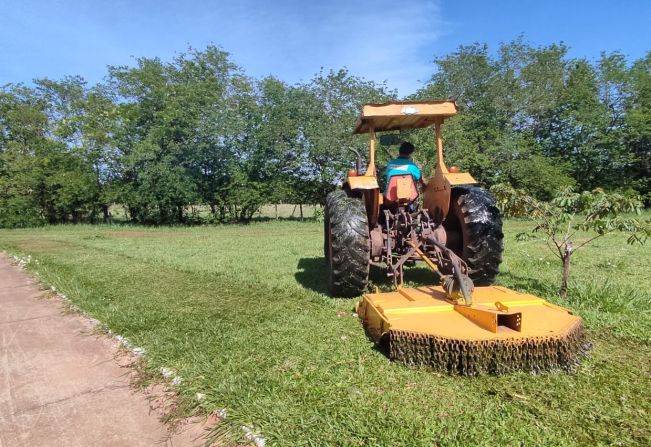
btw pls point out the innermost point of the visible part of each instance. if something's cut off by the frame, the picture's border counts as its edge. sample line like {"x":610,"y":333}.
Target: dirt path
{"x":60,"y":386}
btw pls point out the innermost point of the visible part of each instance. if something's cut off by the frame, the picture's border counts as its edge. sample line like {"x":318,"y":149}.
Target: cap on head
{"x":406,"y":148}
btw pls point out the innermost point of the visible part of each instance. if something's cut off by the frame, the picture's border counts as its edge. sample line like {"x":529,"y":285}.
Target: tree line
{"x":166,"y":139}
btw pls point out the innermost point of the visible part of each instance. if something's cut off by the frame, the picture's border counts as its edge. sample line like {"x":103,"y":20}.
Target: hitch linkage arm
{"x":463,"y":282}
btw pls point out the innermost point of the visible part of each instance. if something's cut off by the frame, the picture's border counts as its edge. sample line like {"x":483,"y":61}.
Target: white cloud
{"x":391,"y":43}
{"x":291,"y":39}
{"x":380,"y":41}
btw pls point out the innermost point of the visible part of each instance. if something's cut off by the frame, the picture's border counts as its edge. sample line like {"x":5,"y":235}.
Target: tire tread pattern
{"x":483,"y":238}
{"x":350,"y":262}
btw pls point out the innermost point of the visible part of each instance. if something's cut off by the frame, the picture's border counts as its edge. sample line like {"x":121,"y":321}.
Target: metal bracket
{"x":491,"y":320}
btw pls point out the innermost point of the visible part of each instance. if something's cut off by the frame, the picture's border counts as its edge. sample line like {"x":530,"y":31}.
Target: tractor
{"x":452,"y":224}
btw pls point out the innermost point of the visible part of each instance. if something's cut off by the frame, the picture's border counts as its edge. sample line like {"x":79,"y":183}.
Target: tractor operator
{"x":405,"y":165}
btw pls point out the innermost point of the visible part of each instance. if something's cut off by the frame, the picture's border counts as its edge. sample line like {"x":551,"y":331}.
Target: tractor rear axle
{"x":414,"y":236}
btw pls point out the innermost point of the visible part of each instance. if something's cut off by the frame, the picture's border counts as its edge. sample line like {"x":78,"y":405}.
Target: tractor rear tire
{"x":474,"y":229}
{"x":326,"y":225}
{"x":347,"y":244}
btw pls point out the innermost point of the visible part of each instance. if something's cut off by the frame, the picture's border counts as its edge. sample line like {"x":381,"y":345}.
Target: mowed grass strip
{"x":241,"y":314}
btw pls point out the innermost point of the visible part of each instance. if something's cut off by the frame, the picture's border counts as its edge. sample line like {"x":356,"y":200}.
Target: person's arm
{"x":422,"y":181}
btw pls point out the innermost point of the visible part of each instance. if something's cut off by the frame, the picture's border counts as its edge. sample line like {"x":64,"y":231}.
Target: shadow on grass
{"x":312,"y":273}
{"x":418,"y":276}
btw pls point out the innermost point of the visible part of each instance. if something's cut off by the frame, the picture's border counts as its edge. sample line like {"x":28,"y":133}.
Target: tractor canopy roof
{"x":398,"y":115}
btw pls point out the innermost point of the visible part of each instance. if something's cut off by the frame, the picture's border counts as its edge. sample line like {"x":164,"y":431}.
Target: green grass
{"x":241,"y":314}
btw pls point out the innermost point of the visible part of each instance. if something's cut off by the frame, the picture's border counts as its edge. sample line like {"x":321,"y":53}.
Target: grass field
{"x":240,"y":312}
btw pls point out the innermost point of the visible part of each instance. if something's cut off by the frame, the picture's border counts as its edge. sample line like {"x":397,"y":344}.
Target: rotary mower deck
{"x":501,"y":331}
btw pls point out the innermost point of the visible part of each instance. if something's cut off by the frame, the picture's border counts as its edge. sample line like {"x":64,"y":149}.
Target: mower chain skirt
{"x":474,"y":357}
{"x":348,"y":253}
{"x":476,"y":219}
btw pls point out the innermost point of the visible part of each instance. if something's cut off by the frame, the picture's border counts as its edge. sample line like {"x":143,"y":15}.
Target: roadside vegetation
{"x":241,"y":314}
{"x":169,"y":138}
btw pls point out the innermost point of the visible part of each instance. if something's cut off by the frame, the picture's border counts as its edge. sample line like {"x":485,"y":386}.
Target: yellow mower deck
{"x":501,"y":331}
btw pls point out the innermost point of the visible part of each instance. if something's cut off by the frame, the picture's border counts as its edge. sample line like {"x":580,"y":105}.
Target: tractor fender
{"x":362,"y":182}
{"x":367,"y":187}
{"x":436,"y":198}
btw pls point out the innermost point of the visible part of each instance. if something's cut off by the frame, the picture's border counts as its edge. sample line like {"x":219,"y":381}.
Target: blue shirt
{"x":401,"y":166}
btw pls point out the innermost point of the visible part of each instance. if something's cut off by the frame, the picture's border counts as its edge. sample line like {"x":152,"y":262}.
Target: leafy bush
{"x":19,"y":212}
{"x":595,"y":212}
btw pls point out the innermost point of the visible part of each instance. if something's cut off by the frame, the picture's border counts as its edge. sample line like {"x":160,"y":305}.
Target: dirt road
{"x":62,"y":386}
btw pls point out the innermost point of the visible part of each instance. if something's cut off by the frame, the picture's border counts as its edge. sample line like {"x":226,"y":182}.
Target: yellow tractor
{"x":463,"y":324}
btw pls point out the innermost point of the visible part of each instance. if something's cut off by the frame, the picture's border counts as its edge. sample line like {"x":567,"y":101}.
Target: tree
{"x":638,"y":121}
{"x":83,"y":120}
{"x":328,"y":109}
{"x":43,"y":180}
{"x":504,"y":104}
{"x":595,"y":212}
{"x":182,"y":133}
{"x":21,"y":126}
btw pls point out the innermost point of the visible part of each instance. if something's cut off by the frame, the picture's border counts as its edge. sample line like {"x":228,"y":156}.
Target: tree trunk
{"x":300,"y":207}
{"x":565,"y":279}
{"x":105,"y":212}
{"x":276,"y":206}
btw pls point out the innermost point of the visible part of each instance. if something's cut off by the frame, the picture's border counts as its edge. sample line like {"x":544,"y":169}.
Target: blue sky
{"x":292,"y":39}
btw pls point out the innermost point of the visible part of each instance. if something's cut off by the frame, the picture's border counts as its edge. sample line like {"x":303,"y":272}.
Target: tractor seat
{"x":401,"y":190}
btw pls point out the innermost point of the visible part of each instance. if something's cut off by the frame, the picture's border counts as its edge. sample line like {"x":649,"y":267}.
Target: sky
{"x":384,"y":41}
